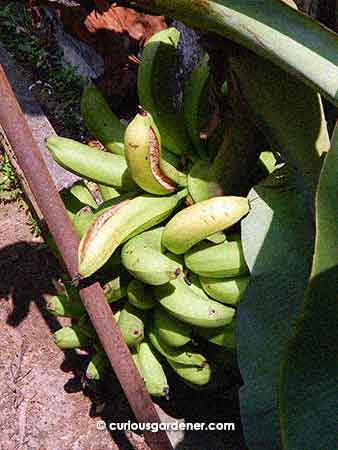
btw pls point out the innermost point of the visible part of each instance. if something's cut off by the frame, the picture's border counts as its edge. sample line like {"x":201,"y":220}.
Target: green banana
{"x":185,"y":355}
{"x":118,"y":223}
{"x":142,"y":257}
{"x":170,"y":330}
{"x":131,"y":325}
{"x":71,"y":337}
{"x":268,"y":161}
{"x":107,"y":204}
{"x":61,"y":306}
{"x":193,"y":224}
{"x":82,"y":193}
{"x":97,"y":366}
{"x":203,"y":183}
{"x":199,"y":376}
{"x":224,"y":260}
{"x":108,"y":192}
{"x":143,"y":155}
{"x":208,"y":181}
{"x":134,"y":354}
{"x":225,"y":290}
{"x":140,"y":295}
{"x":152,"y":371}
{"x":90,"y":163}
{"x":216,"y":238}
{"x":117,"y":315}
{"x":189,"y":303}
{"x":82,"y":220}
{"x":194,"y":92}
{"x":116,"y":288}
{"x":158,"y":56}
{"x":223,"y":336}
{"x":101,"y":121}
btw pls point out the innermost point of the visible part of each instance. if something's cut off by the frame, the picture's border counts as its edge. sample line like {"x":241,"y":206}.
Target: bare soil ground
{"x":43,"y":405}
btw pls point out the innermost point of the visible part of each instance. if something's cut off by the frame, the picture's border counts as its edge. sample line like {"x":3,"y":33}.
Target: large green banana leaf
{"x":272,"y":29}
{"x":308,"y":390}
{"x":277,"y":238}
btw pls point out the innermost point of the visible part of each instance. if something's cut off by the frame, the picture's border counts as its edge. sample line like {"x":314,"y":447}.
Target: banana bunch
{"x":164,"y":240}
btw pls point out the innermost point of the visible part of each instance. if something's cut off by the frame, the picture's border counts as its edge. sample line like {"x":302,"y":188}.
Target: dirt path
{"x":42,"y":402}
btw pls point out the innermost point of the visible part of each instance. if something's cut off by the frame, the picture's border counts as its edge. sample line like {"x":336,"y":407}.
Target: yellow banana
{"x":116,"y":224}
{"x":143,"y":155}
{"x":193,"y":224}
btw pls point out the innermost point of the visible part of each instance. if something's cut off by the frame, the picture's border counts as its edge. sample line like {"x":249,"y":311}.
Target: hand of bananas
{"x":171,"y":275}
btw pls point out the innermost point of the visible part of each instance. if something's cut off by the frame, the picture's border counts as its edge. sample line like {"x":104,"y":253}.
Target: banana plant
{"x":283,"y":62}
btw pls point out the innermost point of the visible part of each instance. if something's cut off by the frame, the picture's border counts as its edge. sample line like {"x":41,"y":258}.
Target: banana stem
{"x":291,"y":40}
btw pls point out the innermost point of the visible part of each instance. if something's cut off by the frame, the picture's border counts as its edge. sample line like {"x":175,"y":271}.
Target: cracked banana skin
{"x":118,"y":223}
{"x":142,"y":256}
{"x":190,"y":304}
{"x":195,"y":223}
{"x":143,"y":155}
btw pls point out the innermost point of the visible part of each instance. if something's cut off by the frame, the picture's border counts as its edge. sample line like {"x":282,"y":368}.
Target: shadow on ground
{"x":28,"y":274}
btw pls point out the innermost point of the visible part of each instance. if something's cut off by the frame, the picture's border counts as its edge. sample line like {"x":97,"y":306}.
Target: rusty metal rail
{"x":48,"y":200}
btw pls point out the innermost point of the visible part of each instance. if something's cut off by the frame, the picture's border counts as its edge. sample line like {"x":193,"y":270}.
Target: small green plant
{"x":9,"y":187}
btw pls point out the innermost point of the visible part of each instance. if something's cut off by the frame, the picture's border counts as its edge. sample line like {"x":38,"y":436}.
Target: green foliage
{"x":308,"y":387}
{"x":9,"y":187}
{"x":277,"y":238}
{"x":35,"y":47}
